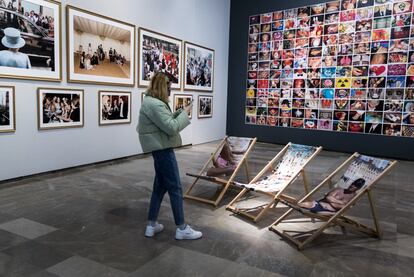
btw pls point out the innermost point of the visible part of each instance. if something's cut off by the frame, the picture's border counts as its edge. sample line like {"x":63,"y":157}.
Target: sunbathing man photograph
{"x":334,"y":200}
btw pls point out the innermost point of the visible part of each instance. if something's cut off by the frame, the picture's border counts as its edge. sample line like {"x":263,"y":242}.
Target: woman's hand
{"x":188,"y":108}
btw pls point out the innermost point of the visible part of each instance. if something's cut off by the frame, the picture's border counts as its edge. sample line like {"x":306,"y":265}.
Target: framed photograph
{"x":159,"y":52}
{"x":114,"y":107}
{"x":59,"y":108}
{"x":7,"y":110}
{"x":30,"y":40}
{"x":205,"y":106}
{"x":100,"y":50}
{"x":199,"y":67}
{"x":182,"y":100}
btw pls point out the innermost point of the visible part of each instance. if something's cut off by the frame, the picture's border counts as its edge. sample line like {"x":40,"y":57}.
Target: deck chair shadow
{"x":361,"y":174}
{"x":274,"y":179}
{"x":223,"y":166}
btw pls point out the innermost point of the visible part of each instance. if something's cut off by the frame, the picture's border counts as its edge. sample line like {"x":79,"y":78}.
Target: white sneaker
{"x":150,"y":231}
{"x":187,"y":233}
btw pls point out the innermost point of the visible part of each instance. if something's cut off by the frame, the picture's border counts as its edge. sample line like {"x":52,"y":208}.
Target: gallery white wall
{"x":29,"y":151}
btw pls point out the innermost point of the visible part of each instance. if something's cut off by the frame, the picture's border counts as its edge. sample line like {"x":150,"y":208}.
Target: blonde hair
{"x":158,"y":87}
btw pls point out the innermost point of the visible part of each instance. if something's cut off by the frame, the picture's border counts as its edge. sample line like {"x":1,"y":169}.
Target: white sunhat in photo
{"x":12,"y":38}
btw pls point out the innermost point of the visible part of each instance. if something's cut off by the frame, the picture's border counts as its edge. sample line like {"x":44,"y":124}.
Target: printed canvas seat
{"x":223,"y":166}
{"x":275,"y":178}
{"x":361,"y":173}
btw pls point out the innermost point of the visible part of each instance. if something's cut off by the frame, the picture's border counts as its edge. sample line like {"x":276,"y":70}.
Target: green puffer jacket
{"x":158,"y":127}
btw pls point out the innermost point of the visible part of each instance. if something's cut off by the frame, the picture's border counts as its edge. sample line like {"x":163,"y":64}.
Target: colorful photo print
{"x":7,"y":110}
{"x":162,"y":53}
{"x":114,"y":107}
{"x":101,"y":50}
{"x":199,"y":68}
{"x":59,"y":108}
{"x":183,"y":100}
{"x":345,"y":66}
{"x":30,"y":40}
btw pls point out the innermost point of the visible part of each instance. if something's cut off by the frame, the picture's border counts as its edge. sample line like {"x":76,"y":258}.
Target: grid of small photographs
{"x":343,"y":66}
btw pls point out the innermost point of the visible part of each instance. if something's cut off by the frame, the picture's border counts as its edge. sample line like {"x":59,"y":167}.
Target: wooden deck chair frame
{"x":225,"y":183}
{"x":275,"y":196}
{"x":338,"y":218}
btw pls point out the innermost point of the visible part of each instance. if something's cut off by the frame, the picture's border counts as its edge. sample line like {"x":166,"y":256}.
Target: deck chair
{"x":222,"y":175}
{"x":275,"y":178}
{"x":367,"y":168}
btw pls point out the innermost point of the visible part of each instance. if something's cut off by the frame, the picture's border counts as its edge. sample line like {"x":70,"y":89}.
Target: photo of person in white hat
{"x":12,"y":57}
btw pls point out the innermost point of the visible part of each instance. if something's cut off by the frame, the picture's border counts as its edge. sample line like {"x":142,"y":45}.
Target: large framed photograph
{"x":30,"y":40}
{"x":182,"y":100}
{"x":199,"y":67}
{"x":7,"y":109}
{"x":59,"y":108}
{"x":158,"y":52}
{"x":205,"y":106}
{"x":114,"y":107}
{"x":101,"y":50}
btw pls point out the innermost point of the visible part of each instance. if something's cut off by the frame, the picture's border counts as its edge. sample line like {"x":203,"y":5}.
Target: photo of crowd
{"x":101,"y":49}
{"x":199,"y":66}
{"x":60,"y":108}
{"x":159,"y":53}
{"x":205,"y":106}
{"x":345,"y":66}
{"x":114,"y":107}
{"x":27,"y":35}
{"x":7,"y":109}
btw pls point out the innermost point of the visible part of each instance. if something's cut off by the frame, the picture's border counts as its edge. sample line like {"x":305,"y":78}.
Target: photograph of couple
{"x":115,"y":107}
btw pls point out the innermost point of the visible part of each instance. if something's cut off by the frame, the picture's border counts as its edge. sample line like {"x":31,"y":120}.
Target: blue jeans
{"x":167,"y":179}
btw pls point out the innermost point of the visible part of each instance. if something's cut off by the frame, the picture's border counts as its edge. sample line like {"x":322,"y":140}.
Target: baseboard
{"x":10,"y":182}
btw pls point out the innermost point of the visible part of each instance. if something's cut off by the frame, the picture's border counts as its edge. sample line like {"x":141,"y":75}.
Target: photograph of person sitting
{"x":114,"y":107}
{"x":101,"y":49}
{"x":335,"y":199}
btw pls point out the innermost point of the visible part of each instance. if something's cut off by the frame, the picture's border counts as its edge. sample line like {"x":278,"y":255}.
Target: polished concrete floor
{"x":89,"y":221}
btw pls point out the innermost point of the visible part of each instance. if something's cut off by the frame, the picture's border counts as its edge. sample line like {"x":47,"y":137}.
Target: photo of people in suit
{"x":205,"y":106}
{"x":115,"y":107}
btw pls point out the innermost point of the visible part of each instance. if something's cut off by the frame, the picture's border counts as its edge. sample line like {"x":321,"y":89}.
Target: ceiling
{"x":85,"y":25}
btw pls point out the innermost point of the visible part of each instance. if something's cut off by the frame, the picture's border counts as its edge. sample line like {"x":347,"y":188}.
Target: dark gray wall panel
{"x":395,"y":147}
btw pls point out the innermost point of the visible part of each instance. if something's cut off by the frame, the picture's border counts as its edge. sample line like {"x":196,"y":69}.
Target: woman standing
{"x":158,"y":130}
